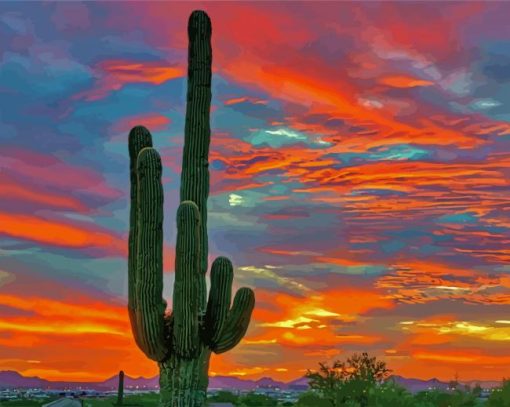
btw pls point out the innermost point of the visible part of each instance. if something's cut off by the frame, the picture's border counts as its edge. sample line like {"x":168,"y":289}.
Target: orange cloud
{"x":151,"y":72}
{"x":354,"y":301}
{"x":153,"y":121}
{"x":46,"y":307}
{"x":421,"y":282}
{"x":26,"y":167}
{"x":402,"y":81}
{"x":335,"y":99}
{"x":294,"y":322}
{"x":118,"y":73}
{"x":58,"y":233}
{"x":468,"y":356}
{"x":12,"y":190}
{"x":235,"y":101}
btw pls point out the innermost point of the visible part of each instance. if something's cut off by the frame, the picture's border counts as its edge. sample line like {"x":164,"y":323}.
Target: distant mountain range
{"x":12,"y":379}
{"x":416,"y":385}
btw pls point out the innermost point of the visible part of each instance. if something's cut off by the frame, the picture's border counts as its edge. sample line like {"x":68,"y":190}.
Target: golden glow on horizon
{"x":248,"y":371}
{"x":290,"y":323}
{"x":54,"y":374}
{"x":61,"y":328}
{"x":443,"y":357}
{"x":259,"y":341}
{"x":319,"y":312}
{"x":461,"y":328}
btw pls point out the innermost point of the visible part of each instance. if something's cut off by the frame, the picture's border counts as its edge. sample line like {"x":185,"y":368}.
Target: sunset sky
{"x":360,"y":180}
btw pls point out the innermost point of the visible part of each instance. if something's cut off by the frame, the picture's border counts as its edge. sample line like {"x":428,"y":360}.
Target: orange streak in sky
{"x":117,"y":73}
{"x":153,"y":121}
{"x":58,"y":327}
{"x":355,"y":301}
{"x":400,"y":81}
{"x":155,"y":73}
{"x":44,"y":306}
{"x":57,"y":233}
{"x":11,"y":190}
{"x":286,"y":83}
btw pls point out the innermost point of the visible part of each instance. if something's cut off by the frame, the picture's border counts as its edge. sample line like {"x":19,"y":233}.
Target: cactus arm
{"x":237,"y":321}
{"x":220,"y":296}
{"x":187,"y":275}
{"x":139,"y":137}
{"x":197,"y":131}
{"x":149,"y":260}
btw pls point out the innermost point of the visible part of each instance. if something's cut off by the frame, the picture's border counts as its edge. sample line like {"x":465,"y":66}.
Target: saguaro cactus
{"x":181,"y":341}
{"x":120,"y":390}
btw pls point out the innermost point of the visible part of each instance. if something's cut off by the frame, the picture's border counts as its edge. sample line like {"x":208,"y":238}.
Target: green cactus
{"x":120,"y":390}
{"x":181,"y":342}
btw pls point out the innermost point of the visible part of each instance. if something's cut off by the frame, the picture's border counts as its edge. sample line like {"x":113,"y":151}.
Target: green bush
{"x":310,"y":399}
{"x":348,"y":381}
{"x":257,"y":400}
{"x":438,"y":398}
{"x":500,"y":397}
{"x":390,"y":395}
{"x":224,"y":397}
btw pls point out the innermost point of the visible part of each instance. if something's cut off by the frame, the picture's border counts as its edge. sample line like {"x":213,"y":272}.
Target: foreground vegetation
{"x":363,"y":381}
{"x":359,"y":381}
{"x":353,"y":393}
{"x":383,"y":395}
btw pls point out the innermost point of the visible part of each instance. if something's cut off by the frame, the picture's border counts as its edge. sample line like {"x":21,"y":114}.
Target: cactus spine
{"x":120,"y":390}
{"x":181,"y":342}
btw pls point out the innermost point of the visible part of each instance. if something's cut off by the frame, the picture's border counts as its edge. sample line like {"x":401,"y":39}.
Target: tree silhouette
{"x":350,"y":380}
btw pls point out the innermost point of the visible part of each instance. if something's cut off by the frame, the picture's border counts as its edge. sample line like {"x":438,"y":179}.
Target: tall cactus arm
{"x":197,"y":131}
{"x":139,"y":138}
{"x":150,"y":306}
{"x":237,"y":321}
{"x":187,"y":276}
{"x":220,"y":296}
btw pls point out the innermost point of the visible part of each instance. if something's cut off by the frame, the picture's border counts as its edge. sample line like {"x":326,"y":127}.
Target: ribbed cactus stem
{"x":197,"y":132}
{"x":181,"y":342}
{"x":187,"y":275}
{"x":139,"y":138}
{"x":149,"y":261}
